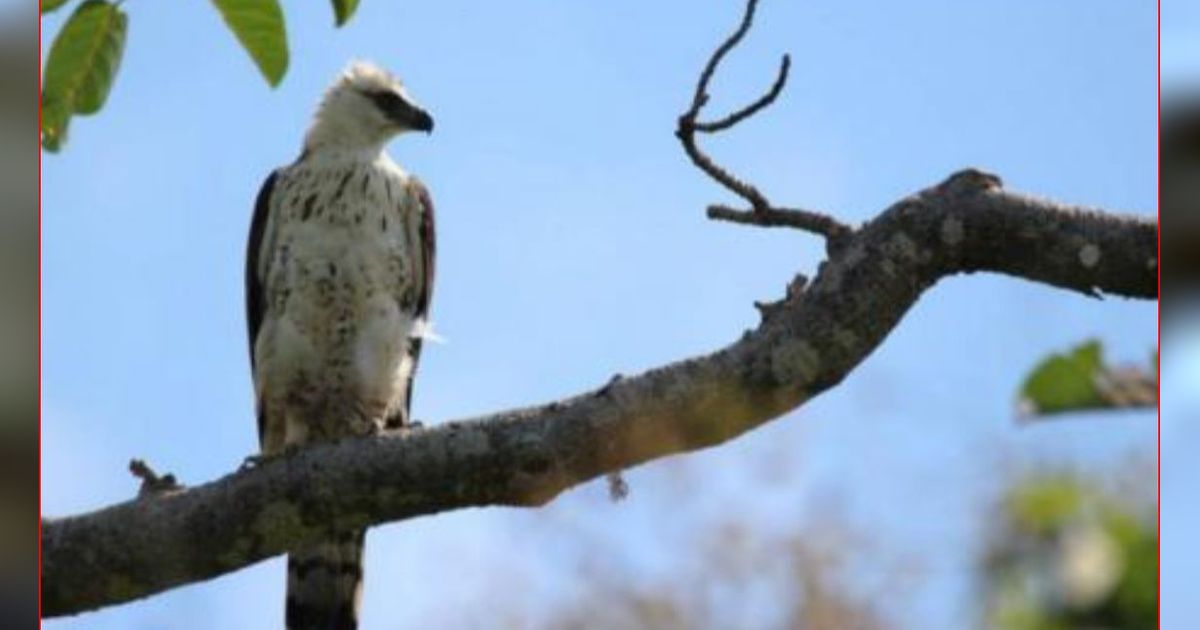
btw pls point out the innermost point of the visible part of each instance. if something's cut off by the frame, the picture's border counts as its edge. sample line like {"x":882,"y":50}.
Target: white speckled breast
{"x":339,"y":282}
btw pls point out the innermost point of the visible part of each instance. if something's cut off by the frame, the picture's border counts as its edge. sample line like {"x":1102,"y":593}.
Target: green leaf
{"x":343,"y":10}
{"x":1065,"y":382}
{"x":258,"y":25}
{"x":81,"y":66}
{"x":1081,"y":381}
{"x":48,"y":6}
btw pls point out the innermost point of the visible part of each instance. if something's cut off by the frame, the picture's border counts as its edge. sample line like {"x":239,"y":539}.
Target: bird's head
{"x":364,"y":108}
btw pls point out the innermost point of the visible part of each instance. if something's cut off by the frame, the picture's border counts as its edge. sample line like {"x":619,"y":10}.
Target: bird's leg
{"x":400,"y":422}
{"x":254,"y":461}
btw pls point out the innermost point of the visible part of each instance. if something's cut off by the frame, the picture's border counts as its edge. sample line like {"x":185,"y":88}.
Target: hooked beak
{"x":409,"y":116}
{"x":404,"y":114}
{"x":420,"y":120}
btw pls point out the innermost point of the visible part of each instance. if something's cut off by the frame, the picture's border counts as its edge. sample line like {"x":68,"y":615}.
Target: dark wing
{"x":428,"y":249}
{"x":255,"y":300}
{"x":427,"y":241}
{"x":256,"y":305}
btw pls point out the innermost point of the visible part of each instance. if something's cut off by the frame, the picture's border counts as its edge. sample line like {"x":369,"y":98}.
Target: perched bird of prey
{"x":339,"y":272}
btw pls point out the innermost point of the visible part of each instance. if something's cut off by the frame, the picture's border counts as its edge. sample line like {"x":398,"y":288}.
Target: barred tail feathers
{"x":325,"y":584}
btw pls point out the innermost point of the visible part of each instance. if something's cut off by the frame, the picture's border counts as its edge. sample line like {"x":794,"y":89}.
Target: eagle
{"x":339,"y":277}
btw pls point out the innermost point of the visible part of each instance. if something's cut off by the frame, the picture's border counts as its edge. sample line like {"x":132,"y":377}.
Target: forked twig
{"x":761,"y":212}
{"x":738,"y":116}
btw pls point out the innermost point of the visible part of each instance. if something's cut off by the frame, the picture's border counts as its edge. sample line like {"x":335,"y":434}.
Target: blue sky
{"x":572,"y":245}
{"x":1180,"y":44}
{"x":1180,"y":385}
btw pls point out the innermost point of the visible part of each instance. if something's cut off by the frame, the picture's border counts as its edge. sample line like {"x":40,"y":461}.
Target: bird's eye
{"x":387,"y":100}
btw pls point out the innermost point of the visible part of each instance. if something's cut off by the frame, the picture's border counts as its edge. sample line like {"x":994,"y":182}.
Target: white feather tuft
{"x":423,"y":329}
{"x":365,"y":75}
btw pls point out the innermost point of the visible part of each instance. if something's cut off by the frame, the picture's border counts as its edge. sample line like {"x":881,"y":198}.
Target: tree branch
{"x":809,"y":343}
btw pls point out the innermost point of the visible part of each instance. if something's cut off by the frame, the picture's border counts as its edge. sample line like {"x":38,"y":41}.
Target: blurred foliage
{"x":1066,"y":553}
{"x":1062,"y":552}
{"x":87,"y":52}
{"x":1080,"y":380}
{"x":740,"y":577}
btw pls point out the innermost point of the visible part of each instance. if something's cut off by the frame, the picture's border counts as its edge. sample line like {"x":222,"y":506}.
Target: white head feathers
{"x":366,"y":76}
{"x":364,"y":108}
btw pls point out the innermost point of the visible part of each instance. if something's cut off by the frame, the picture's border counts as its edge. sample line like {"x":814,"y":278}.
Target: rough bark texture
{"x":805,"y":345}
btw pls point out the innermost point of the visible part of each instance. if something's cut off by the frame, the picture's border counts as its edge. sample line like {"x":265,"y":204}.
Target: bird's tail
{"x":325,"y":584}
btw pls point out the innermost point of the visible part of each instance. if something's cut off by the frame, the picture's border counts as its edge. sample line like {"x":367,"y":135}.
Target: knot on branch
{"x":768,"y":310}
{"x":153,"y":484}
{"x":970,"y":181}
{"x":618,"y":488}
{"x":606,"y":390}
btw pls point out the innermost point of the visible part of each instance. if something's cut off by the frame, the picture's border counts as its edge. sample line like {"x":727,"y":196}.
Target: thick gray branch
{"x":526,"y":457}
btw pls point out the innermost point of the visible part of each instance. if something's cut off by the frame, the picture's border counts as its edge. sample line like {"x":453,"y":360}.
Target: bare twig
{"x":761,"y":211}
{"x":753,"y":108}
{"x":701,"y":95}
{"x":807,"y":220}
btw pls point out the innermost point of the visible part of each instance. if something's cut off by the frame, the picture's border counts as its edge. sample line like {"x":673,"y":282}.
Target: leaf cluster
{"x":87,"y":52}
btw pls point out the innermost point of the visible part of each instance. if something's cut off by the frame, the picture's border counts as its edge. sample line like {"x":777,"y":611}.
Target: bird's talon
{"x":253,"y":461}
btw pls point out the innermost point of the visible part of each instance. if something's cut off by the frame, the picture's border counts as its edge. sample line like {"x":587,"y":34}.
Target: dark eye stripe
{"x":387,"y":100}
